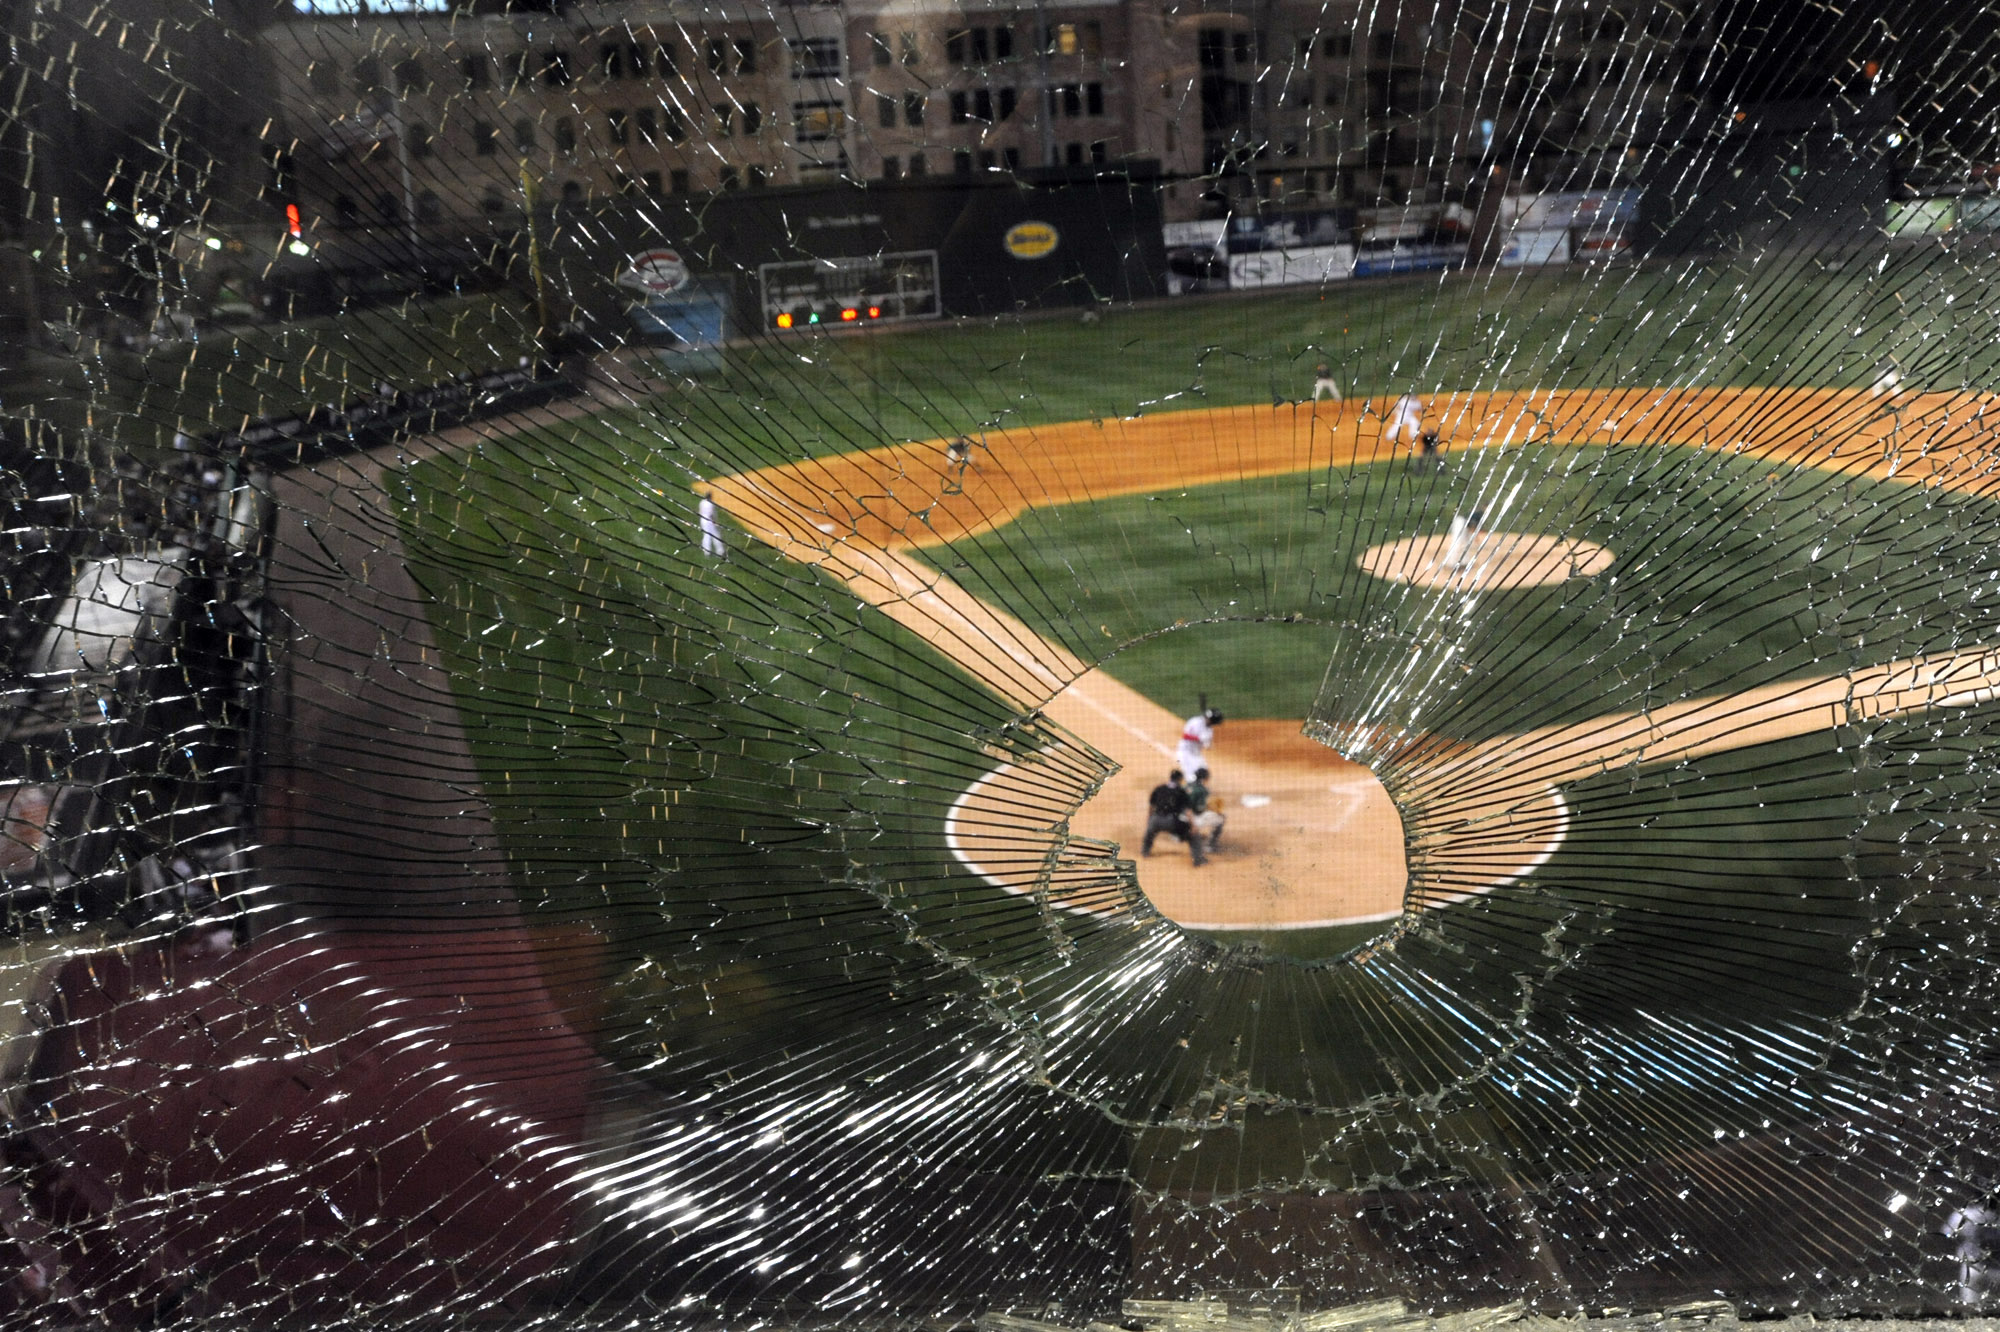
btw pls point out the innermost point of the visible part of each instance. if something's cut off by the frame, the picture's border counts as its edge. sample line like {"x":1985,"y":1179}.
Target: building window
{"x":1011,"y":158}
{"x":878,"y":49}
{"x":611,"y":60}
{"x":555,"y":69}
{"x":412,"y":77}
{"x":815,"y":58}
{"x":746,"y":55}
{"x":891,"y":168}
{"x":485,"y":138}
{"x":885,"y":110}
{"x":1382,"y":45}
{"x":646,"y":120}
{"x":723,"y":121}
{"x":758,"y":177}
{"x":1003,"y":43}
{"x":988,"y":159}
{"x":982,"y":106}
{"x":1099,"y":151}
{"x":651,"y":180}
{"x":518,"y":65}
{"x":572,"y":194}
{"x":958,"y":108}
{"x":615,"y":126}
{"x":324,"y":76}
{"x":1007,"y":102}
{"x":627,"y":184}
{"x":961,"y":162}
{"x":368,"y":75}
{"x":726,"y":178}
{"x":1093,"y":98}
{"x":524,"y":135}
{"x":1075,"y":39}
{"x":817,"y":122}
{"x":907,"y":42}
{"x":565,"y":135}
{"x":1209,"y":44}
{"x":421,"y":143}
{"x":913,"y":111}
{"x":917,"y":166}
{"x":718,"y":55}
{"x":669,"y":63}
{"x":388,"y":207}
{"x":1073,"y":153}
{"x":1337,"y":47}
{"x":1072,"y":100}
{"x":429,"y":207}
{"x":677,"y":181}
{"x":1239,"y":47}
{"x":474,"y":70}
{"x":672,"y":124}
{"x":752,"y":117}
{"x":954,"y":48}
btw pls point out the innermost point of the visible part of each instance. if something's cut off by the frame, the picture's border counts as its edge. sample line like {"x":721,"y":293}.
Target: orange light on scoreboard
{"x":785,"y":319}
{"x":849,"y":314}
{"x":874,"y":312}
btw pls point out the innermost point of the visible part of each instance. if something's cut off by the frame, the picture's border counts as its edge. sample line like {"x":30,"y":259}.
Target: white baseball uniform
{"x":1407,"y":415}
{"x":1458,"y":545}
{"x":711,"y":529}
{"x":1196,"y":735}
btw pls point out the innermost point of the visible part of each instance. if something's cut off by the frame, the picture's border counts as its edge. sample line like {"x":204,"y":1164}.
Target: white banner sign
{"x":1288,"y":268}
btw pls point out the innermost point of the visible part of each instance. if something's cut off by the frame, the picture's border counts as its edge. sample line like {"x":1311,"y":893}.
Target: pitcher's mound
{"x":1490,"y":560}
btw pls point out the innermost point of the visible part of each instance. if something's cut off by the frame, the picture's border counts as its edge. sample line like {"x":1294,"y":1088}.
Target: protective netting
{"x":601,"y":600}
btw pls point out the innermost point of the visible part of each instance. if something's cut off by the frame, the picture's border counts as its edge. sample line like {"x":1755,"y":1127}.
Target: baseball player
{"x":1458,"y":545}
{"x":1406,"y":417}
{"x":1167,"y":812}
{"x":711,"y":529}
{"x":1323,"y":382}
{"x":1207,"y":822}
{"x":1197,"y":734}
{"x":1428,"y":460}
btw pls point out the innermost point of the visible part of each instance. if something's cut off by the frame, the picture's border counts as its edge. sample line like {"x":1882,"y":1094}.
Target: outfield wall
{"x":996,"y":247}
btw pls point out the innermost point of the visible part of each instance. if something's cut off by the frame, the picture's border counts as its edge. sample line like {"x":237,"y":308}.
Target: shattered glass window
{"x":1207,"y":667}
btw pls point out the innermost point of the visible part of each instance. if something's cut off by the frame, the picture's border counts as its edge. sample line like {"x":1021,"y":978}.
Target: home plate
{"x":1255,"y":801}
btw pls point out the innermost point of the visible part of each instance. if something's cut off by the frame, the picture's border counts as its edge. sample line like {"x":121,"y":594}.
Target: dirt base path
{"x":1326,"y":845}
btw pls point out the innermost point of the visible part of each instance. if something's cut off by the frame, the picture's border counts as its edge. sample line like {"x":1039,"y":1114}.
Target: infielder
{"x":1197,"y":734}
{"x":711,"y":530}
{"x":1323,"y":382}
{"x":1406,"y":416}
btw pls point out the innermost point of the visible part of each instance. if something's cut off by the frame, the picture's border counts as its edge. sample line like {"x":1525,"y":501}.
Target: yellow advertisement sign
{"x":1031,"y":240}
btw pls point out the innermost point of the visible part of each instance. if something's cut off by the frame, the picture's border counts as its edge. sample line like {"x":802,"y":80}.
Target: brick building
{"x":418,"y":117}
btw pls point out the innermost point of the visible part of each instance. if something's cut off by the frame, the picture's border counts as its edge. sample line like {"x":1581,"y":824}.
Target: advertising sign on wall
{"x":1284,"y":268}
{"x":1525,"y":249}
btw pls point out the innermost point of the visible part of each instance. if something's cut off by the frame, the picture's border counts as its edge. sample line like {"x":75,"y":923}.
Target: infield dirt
{"x":1326,"y":844}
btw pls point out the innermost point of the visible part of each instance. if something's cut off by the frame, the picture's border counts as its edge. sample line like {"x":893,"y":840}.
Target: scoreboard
{"x":875,"y":288}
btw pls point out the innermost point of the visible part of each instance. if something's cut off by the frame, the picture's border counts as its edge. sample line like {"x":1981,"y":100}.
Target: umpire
{"x":1168,"y":810}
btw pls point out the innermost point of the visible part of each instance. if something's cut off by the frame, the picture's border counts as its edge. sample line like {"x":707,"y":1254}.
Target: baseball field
{"x":1709,"y":666}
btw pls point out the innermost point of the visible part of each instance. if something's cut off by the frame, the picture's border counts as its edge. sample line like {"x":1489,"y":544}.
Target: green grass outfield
{"x":741,"y":775}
